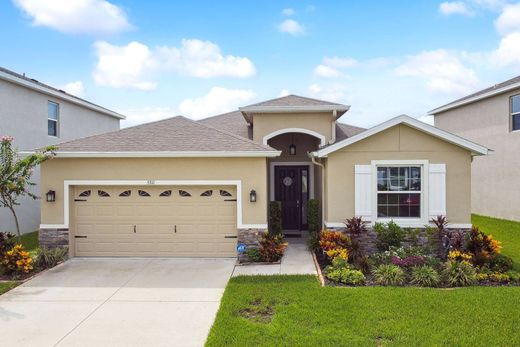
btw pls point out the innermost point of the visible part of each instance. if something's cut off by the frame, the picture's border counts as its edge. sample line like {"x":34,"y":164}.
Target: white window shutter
{"x":364,"y":191}
{"x":436,"y":190}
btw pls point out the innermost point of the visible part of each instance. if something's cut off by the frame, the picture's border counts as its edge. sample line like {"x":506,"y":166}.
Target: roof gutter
{"x":473,"y":99}
{"x":167,"y":154}
{"x":61,"y":95}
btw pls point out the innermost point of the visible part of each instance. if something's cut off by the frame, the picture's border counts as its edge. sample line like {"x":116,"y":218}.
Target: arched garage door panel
{"x":192,"y":221}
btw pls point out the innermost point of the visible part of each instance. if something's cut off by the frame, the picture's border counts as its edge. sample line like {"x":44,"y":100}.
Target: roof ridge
{"x":294,"y":95}
{"x":230,"y":134}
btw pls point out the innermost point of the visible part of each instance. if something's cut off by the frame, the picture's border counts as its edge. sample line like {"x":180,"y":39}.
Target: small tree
{"x":15,"y":174}
{"x":275,"y":218}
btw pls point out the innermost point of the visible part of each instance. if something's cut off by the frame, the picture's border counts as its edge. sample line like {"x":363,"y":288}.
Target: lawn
{"x":296,"y":311}
{"x":30,"y":243}
{"x":504,"y":230}
{"x":7,"y":286}
{"x":305,"y":314}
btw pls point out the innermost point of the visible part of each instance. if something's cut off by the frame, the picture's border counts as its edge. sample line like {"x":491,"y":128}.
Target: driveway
{"x":117,"y":302}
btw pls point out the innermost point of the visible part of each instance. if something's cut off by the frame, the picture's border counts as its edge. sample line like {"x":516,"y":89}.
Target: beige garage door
{"x":190,"y":221}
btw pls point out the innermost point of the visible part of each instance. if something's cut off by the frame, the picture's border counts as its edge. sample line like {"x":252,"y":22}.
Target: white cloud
{"x":327,"y":71}
{"x":288,"y":12}
{"x":217,"y":100}
{"x":508,"y":52}
{"x":203,"y":59}
{"x":509,"y":19}
{"x":330,"y":92}
{"x":146,"y":114}
{"x":291,"y":27}
{"x":76,"y":16}
{"x":455,"y":7}
{"x":124,"y":66}
{"x":340,"y":62}
{"x":75,"y":88}
{"x":443,"y":71}
{"x":135,"y":65}
{"x":284,"y":92}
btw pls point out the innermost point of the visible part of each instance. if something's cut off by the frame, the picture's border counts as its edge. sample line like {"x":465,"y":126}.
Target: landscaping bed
{"x":389,"y":255}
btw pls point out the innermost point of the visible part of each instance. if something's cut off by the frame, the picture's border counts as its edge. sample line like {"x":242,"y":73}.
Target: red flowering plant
{"x":410,"y":261}
{"x":483,"y":247}
{"x":272,"y":247}
{"x":330,"y":239}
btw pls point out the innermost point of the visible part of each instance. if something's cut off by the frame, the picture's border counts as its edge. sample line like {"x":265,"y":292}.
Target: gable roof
{"x":235,"y":123}
{"x":22,"y":80}
{"x":475,"y":149}
{"x":293,"y":103}
{"x":172,"y":137}
{"x":503,"y":87}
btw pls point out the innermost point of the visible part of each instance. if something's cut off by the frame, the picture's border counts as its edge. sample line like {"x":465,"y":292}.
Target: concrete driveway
{"x":116,"y":302}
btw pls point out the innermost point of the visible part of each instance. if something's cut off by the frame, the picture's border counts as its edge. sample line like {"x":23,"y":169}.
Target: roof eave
{"x":168,"y":154}
{"x":33,"y":86}
{"x":491,"y":93}
{"x":248,"y":111}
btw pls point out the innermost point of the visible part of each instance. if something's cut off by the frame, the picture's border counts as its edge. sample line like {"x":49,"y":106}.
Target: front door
{"x":292,"y":190}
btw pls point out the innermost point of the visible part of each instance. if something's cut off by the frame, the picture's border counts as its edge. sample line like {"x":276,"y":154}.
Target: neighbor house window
{"x":399,"y":190}
{"x":515,"y":112}
{"x":53,"y":110}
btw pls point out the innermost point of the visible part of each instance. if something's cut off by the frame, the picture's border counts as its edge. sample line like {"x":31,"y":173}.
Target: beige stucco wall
{"x":398,"y":142}
{"x":251,"y":171}
{"x":495,"y":178}
{"x":264,"y":124}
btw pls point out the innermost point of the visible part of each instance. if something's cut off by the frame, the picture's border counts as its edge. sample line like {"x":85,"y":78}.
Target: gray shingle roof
{"x":294,"y":100}
{"x":169,"y":135}
{"x":483,"y":92}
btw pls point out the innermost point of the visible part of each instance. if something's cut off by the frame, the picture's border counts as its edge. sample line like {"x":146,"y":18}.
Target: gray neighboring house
{"x":490,"y":117}
{"x":37,"y":115}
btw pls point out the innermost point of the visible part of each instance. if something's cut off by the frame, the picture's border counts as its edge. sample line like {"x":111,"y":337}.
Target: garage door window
{"x":85,"y":194}
{"x":143,"y":193}
{"x":126,"y":193}
{"x":207,"y":193}
{"x":184,"y":193}
{"x":166,"y":193}
{"x":224,"y":193}
{"x":103,"y":194}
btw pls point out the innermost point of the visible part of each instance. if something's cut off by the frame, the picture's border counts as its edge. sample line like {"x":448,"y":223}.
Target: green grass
{"x":306,"y":314}
{"x":7,"y":286}
{"x":506,"y":231}
{"x":30,"y":241}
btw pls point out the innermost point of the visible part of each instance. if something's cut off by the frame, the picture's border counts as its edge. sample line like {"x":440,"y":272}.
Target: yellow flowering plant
{"x":337,"y":252}
{"x":456,"y":255}
{"x":16,"y":261}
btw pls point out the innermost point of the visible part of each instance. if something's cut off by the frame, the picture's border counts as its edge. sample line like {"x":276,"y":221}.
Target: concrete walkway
{"x":116,"y":302}
{"x":297,"y":260}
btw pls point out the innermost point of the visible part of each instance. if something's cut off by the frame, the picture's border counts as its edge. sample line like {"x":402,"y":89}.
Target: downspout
{"x":313,"y":160}
{"x":333,"y":132}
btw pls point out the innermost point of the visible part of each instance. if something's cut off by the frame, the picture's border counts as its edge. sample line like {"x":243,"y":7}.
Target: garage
{"x":154,"y":221}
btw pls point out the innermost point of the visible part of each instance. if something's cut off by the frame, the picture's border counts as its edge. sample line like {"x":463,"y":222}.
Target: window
{"x":166,"y":193}
{"x":515,"y":112}
{"x":224,"y":193}
{"x":85,"y":194}
{"x":184,"y":193}
{"x":143,"y":193}
{"x":53,"y":110}
{"x":103,"y":194}
{"x":207,"y":193}
{"x":399,"y":190}
{"x":126,"y":193}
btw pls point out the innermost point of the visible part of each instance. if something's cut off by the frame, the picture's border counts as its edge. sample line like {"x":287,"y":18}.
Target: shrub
{"x":341,"y":272}
{"x":338,"y":252}
{"x":7,"y":242}
{"x":482,"y":246}
{"x":333,"y":239}
{"x":313,"y":216}
{"x":410,"y":261}
{"x":389,"y":275}
{"x":388,"y":235}
{"x":313,"y":241}
{"x":413,"y":236}
{"x":500,"y":263}
{"x":514,"y":277}
{"x":275,"y":218}
{"x":272,"y":247}
{"x":356,"y":226}
{"x":457,"y":255}
{"x":17,"y":261}
{"x":253,"y":254}
{"x":50,"y":257}
{"x":459,"y":274}
{"x":425,"y":276}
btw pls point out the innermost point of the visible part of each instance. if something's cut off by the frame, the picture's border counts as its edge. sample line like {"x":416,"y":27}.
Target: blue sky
{"x":155,"y":59}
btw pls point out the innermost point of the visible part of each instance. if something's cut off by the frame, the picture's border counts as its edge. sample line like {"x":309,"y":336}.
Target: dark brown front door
{"x":292,"y":190}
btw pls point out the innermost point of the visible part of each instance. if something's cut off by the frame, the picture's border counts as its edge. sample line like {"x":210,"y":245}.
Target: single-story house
{"x":178,"y":187}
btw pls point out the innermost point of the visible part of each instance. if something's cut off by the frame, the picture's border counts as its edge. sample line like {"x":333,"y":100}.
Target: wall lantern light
{"x":292,"y":149}
{"x":51,"y":196}
{"x":252,"y":196}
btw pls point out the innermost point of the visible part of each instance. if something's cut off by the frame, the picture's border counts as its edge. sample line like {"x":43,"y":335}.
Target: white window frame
{"x":405,"y":222}
{"x":511,"y":113}
{"x":57,"y":120}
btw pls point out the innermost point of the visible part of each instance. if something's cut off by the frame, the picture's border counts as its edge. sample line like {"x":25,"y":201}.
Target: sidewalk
{"x":297,"y":260}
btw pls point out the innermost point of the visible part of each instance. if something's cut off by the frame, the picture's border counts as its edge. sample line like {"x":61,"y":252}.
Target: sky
{"x":156,"y":59}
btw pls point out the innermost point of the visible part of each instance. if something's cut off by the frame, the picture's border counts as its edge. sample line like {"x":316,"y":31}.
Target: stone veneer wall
{"x":53,"y":238}
{"x":249,"y":237}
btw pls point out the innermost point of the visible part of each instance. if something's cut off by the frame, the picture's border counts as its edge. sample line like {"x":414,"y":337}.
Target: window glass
{"x":52,"y":127}
{"x":516,"y":122}
{"x":399,"y":191}
{"x":515,"y":104}
{"x":52,"y":110}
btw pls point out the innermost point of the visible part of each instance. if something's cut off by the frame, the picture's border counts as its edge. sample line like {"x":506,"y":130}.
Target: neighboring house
{"x":37,"y":115}
{"x":490,"y":117}
{"x":177,"y":187}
